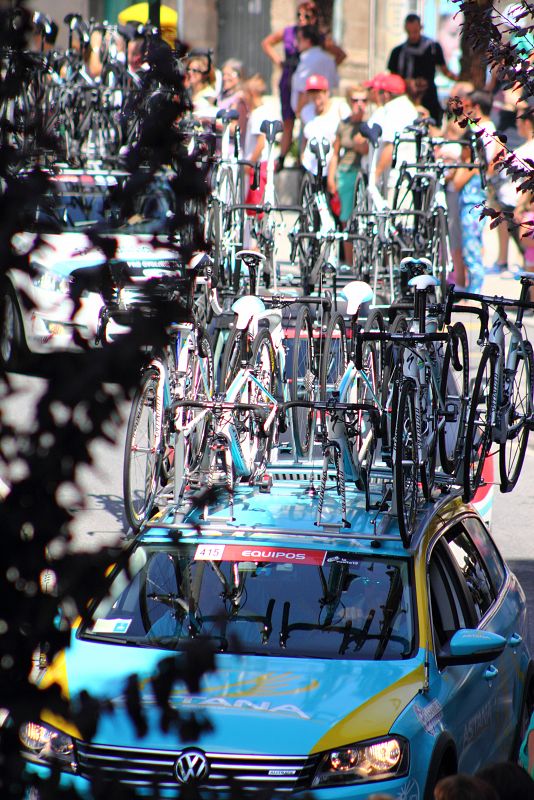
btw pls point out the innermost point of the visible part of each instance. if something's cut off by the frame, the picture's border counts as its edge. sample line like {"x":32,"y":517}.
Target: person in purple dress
{"x":307,"y":14}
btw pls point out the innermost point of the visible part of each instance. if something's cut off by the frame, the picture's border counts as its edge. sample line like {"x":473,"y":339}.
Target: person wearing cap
{"x":313,"y":60}
{"x":398,"y":114}
{"x":419,"y":57}
{"x":320,"y":119}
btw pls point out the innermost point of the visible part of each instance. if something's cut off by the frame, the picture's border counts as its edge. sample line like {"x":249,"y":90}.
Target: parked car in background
{"x":48,"y":306}
{"x":345,"y":663}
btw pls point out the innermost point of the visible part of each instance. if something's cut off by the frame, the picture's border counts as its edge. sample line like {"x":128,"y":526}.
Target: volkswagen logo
{"x":191,"y":767}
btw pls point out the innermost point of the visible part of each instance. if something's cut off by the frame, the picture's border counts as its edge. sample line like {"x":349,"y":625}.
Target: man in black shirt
{"x":418,"y":57}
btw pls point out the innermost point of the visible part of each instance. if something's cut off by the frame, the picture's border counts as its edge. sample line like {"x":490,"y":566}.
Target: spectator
{"x":468,"y":183}
{"x":321,"y":118}
{"x":418,"y":57}
{"x":397,"y":115}
{"x":510,"y":780}
{"x":200,"y":81}
{"x":464,"y":787}
{"x":307,"y":14}
{"x":511,"y":201}
{"x":233,"y":95}
{"x":313,"y":60}
{"x":255,"y":148}
{"x":347,"y":152}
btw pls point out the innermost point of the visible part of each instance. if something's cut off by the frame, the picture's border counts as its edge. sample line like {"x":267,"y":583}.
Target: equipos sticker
{"x":111,"y":625}
{"x":239,"y":552}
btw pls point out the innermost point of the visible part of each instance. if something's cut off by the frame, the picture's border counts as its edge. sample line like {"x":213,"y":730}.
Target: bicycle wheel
{"x":232,"y":356}
{"x":429,"y":404}
{"x":478,"y":433}
{"x":198,"y":387}
{"x":512,"y":451}
{"x":389,"y":388}
{"x":440,"y":252}
{"x":405,"y":462}
{"x":333,"y":358}
{"x":143,"y":451}
{"x":454,"y":391}
{"x":263,"y":360}
{"x":303,"y":380}
{"x":367,"y":390}
{"x":309,"y":222}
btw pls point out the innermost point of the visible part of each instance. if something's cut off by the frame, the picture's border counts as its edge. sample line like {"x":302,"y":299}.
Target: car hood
{"x":283,"y":704}
{"x":66,"y":252}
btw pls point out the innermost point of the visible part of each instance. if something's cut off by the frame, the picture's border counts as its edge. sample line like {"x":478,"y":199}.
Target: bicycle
{"x":425,"y":399}
{"x":156,"y":461}
{"x":501,"y":408}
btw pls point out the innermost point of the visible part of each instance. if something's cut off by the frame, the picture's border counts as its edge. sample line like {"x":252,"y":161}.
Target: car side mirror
{"x":471,"y":646}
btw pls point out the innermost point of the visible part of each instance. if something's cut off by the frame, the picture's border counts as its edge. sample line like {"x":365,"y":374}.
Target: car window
{"x":489,"y":553}
{"x":313,"y":604}
{"x":472,"y":567}
{"x":450,"y":610}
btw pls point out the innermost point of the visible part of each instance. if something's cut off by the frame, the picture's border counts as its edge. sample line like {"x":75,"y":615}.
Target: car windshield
{"x":82,"y":202}
{"x":263,"y":601}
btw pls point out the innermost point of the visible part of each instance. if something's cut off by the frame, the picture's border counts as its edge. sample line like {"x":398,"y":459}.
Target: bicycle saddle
{"x":319,"y":148}
{"x":422,"y":282}
{"x":252,"y":258}
{"x":271,"y":127}
{"x":373,"y":133}
{"x":356,"y":293}
{"x":227,"y":115}
{"x":246,"y":307}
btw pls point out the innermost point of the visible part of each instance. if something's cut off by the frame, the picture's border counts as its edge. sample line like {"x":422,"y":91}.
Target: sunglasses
{"x":192,"y":69}
{"x":358,"y":100}
{"x":307,"y":17}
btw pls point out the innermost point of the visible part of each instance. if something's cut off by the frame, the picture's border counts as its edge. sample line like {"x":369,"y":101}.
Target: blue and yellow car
{"x":346,"y":664}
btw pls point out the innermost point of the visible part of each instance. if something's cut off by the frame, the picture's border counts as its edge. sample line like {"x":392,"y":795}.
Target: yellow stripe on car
{"x":376,"y":716}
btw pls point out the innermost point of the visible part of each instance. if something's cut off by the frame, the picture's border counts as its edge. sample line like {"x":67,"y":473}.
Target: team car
{"x":345,"y":663}
{"x":55,"y":302}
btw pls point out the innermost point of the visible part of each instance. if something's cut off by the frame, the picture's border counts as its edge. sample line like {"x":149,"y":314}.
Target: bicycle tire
{"x":429,"y":404}
{"x":406,"y":469}
{"x":142,"y":452}
{"x":511,"y":458}
{"x":308,"y":249}
{"x":333,"y":359}
{"x":263,"y":359}
{"x":231,"y":357}
{"x":199,"y":387}
{"x":454,"y":390}
{"x":440,"y":252}
{"x":389,"y":389}
{"x":478,"y":434}
{"x":303,"y":380}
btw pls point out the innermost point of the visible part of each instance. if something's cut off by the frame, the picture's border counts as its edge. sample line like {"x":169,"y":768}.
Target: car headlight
{"x":365,"y":761}
{"x":47,"y":745}
{"x":50,"y":281}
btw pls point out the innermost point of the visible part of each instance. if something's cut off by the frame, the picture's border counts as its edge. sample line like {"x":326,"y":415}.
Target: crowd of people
{"x":312,"y":106}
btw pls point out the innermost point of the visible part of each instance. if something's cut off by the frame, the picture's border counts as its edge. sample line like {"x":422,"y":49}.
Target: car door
{"x":504,"y":613}
{"x":467,"y":694}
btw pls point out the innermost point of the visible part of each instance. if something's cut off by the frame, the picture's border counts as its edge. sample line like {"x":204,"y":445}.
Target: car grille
{"x":139,"y":767}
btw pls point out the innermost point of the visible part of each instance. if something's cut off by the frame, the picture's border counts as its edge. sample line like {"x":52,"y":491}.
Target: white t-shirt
{"x":314,"y":61}
{"x":256,"y":117}
{"x":320,"y":127}
{"x":396,"y":116}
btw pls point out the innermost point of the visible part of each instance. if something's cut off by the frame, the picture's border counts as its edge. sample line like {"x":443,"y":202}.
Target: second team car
{"x":47,"y":306}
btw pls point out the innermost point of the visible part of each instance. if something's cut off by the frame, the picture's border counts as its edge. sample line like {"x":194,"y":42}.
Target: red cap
{"x":317,"y":83}
{"x":385,"y":82}
{"x":372,"y":84}
{"x":393,"y":84}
